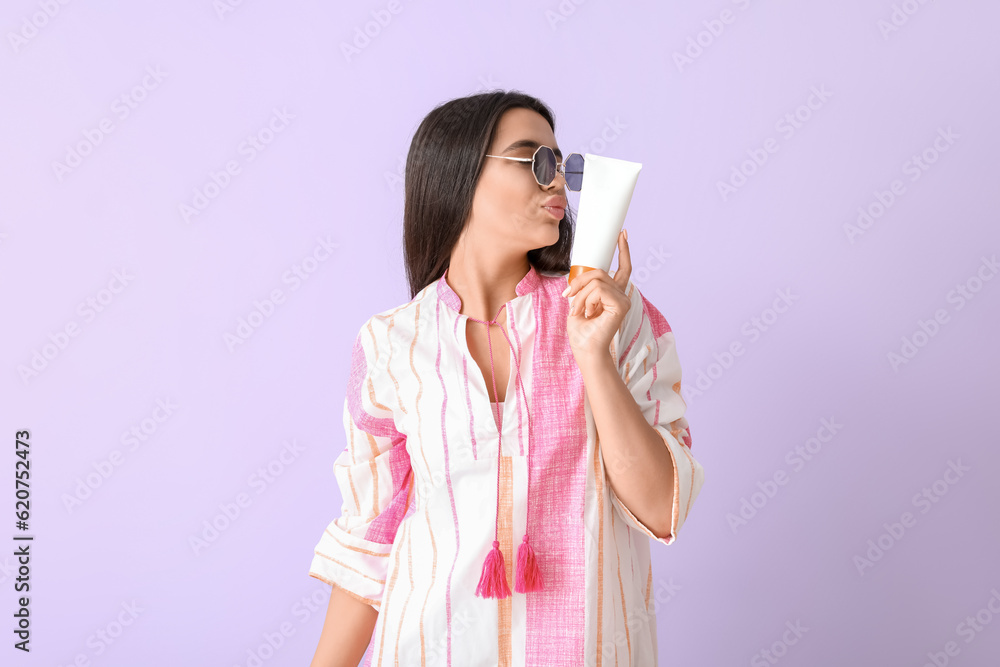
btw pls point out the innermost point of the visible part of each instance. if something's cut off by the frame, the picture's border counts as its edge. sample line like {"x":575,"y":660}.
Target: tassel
{"x":528,"y":577}
{"x":493,"y":582}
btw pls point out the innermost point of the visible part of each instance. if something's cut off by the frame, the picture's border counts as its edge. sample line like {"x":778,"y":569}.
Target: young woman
{"x":513,"y":443}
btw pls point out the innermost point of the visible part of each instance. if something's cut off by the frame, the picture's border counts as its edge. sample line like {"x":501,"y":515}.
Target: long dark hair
{"x":442,"y":169}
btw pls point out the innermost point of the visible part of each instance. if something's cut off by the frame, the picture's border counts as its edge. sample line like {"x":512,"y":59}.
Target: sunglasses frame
{"x":560,"y":166}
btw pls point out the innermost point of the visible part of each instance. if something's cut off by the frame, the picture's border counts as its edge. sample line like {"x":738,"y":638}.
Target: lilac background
{"x":334,"y":172}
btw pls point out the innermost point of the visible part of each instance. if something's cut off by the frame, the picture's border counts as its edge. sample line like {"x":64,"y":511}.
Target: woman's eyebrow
{"x":529,"y":143}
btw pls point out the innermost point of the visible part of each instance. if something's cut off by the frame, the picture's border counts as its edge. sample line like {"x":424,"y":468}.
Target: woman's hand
{"x":598,"y":307}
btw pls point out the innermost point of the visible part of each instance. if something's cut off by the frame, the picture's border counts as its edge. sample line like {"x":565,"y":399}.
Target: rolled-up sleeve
{"x":374,"y":477}
{"x":650,"y":367}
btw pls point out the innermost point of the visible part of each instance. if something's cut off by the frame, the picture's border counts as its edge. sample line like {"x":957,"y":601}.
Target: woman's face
{"x":509,"y":206}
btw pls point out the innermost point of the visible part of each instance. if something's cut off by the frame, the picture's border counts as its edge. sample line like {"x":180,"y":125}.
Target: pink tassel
{"x":528,"y":577}
{"x":493,"y":582}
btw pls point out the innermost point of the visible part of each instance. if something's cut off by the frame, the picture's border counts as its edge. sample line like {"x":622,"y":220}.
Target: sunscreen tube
{"x":605,"y":194}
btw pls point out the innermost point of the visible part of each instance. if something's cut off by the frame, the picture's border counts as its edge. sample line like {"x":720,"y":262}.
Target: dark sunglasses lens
{"x":545,"y":165}
{"x":574,"y":172}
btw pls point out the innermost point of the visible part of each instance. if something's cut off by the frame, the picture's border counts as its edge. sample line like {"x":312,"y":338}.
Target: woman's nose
{"x":558,"y":182}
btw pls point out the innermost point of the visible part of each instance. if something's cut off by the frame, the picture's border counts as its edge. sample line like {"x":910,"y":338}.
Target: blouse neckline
{"x":528,"y":284}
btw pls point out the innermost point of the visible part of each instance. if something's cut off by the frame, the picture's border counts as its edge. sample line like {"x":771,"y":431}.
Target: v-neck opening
{"x":481,"y":381}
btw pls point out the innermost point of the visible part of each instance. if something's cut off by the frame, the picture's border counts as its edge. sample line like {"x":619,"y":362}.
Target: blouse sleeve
{"x":649,"y":365}
{"x":373,"y":474}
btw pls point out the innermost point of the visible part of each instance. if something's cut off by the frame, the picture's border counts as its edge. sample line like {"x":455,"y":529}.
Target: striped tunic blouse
{"x":418,"y":479}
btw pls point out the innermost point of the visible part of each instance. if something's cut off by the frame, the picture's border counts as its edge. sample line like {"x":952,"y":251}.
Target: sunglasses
{"x":545,"y":167}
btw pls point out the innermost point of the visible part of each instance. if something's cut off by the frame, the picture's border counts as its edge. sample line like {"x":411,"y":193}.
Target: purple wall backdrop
{"x":819,"y":194}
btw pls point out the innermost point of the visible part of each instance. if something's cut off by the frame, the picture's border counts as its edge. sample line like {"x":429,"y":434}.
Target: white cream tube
{"x":605,"y":194}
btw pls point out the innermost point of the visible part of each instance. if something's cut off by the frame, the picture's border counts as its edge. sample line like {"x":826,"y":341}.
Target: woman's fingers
{"x":581,"y":282}
{"x":587,"y":301}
